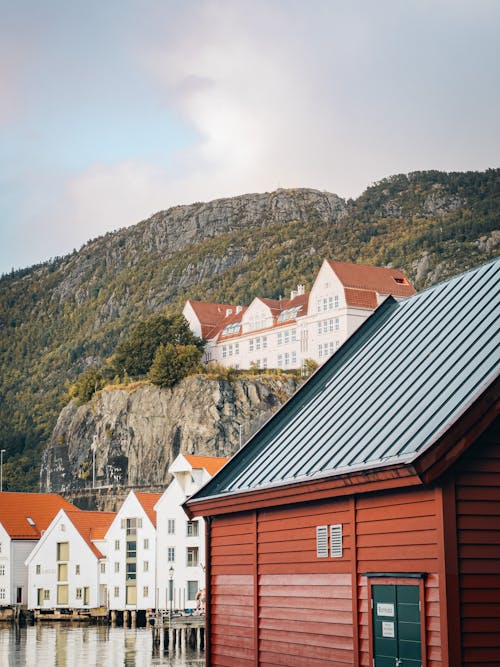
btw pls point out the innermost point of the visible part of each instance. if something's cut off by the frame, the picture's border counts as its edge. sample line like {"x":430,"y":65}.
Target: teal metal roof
{"x":398,"y":383}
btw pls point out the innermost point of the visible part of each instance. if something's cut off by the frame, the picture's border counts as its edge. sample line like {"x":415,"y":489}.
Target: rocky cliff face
{"x":137,"y":434}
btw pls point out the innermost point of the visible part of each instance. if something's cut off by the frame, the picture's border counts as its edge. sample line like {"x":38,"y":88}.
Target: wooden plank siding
{"x":305,"y":602}
{"x":398,"y":532}
{"x":477,"y":490}
{"x":232,"y":591}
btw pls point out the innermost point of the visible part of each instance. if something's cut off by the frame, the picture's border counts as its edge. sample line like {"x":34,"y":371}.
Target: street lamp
{"x":1,"y":469}
{"x":170,"y":592}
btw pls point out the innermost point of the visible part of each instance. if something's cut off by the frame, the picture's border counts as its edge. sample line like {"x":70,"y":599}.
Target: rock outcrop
{"x":138,"y":433}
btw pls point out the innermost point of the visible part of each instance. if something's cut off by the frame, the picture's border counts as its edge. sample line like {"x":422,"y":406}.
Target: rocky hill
{"x":61,"y":316}
{"x":138,"y":432}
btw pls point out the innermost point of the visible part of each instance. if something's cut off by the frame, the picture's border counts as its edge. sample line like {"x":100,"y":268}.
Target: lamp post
{"x":170,"y":592}
{"x":93,"y":447}
{"x":1,"y":469}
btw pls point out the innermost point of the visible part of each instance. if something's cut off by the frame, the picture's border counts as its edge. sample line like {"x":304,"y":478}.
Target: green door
{"x":396,"y":626}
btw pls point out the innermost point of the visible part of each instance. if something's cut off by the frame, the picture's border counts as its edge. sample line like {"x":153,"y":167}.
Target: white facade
{"x":181,"y":542}
{"x":131,"y":556}
{"x":275,"y":334}
{"x":64,"y":569}
{"x":13,"y":573}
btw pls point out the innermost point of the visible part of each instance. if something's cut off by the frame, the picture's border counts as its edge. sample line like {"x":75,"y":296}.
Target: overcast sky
{"x":112,"y":110}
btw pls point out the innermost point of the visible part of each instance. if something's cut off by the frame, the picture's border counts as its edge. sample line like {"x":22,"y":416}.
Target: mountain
{"x":59,"y":317}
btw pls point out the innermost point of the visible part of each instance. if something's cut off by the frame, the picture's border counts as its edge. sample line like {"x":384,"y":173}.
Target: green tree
{"x":136,"y":353}
{"x":90,"y":381}
{"x":174,"y":362}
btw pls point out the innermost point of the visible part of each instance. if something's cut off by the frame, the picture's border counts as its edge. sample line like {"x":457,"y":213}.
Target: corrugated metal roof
{"x":387,"y":394}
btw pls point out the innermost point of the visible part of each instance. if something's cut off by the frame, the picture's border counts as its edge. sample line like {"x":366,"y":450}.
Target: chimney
{"x":301,"y":289}
{"x":293,"y":294}
{"x":239,"y":309}
{"x":228,"y":311}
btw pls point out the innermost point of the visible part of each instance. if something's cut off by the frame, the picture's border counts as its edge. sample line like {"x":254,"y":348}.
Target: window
{"x":63,"y":551}
{"x":62,"y":594}
{"x":325,"y":326}
{"x":236,"y":349}
{"x":132,"y":525}
{"x":103,"y":568}
{"x":39,"y":569}
{"x":257,"y":343}
{"x":2,"y":569}
{"x":264,"y":362}
{"x":322,"y":541}
{"x":2,"y":594}
{"x":171,"y":554}
{"x":79,"y":593}
{"x":280,"y":338}
{"x":336,"y":541}
{"x":192,"y":557}
{"x":192,"y":589}
{"x":293,"y":335}
{"x":131,"y":570}
{"x":230,"y":350}
{"x":117,"y":545}
{"x":46,"y":594}
{"x":287,"y":359}
{"x":250,"y":345}
{"x":192,"y":528}
{"x":171,"y":527}
{"x":224,"y":351}
{"x":325,"y":303}
{"x":131,"y":549}
{"x":146,"y":566}
{"x":286,"y":337}
{"x":145,"y":591}
{"x":117,"y":591}
{"x":264,"y":342}
{"x":337,"y":324}
{"x":0,"y":547}
{"x":117,"y":566}
{"x":336,"y":301}
{"x":294,"y":358}
{"x":146,"y":543}
{"x":320,"y":328}
{"x":77,"y":569}
{"x":330,"y":303}
{"x":62,"y":572}
{"x":280,"y":361}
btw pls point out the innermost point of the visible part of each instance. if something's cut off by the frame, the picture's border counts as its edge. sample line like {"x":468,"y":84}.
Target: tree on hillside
{"x":174,"y":362}
{"x":135,"y":355}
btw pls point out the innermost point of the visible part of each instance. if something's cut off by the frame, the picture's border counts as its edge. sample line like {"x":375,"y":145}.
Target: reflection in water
{"x":65,"y":645}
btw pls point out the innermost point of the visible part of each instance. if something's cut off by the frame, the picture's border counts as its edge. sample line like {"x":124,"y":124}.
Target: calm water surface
{"x":64,"y":645}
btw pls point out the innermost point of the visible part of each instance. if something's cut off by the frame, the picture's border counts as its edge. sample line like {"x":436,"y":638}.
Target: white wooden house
{"x":67,"y":567}
{"x":131,"y":557}
{"x":180,"y":550}
{"x":23,"y":518}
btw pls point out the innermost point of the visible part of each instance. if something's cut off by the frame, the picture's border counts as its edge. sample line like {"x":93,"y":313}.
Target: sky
{"x":112,"y":110}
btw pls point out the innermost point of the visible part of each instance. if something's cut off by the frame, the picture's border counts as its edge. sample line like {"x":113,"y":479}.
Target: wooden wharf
{"x":179,"y":632}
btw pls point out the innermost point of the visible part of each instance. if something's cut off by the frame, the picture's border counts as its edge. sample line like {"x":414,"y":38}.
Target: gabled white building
{"x":284,"y":333}
{"x":67,"y":567}
{"x":180,"y":551}
{"x":23,"y":518}
{"x":131,"y":556}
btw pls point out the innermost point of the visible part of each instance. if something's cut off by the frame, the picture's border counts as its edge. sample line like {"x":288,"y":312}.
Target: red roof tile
{"x":361,"y":298}
{"x":210,"y":315}
{"x":381,"y":279}
{"x":91,"y":526}
{"x":41,"y":508}
{"x":212,"y":464}
{"x":148,"y":501}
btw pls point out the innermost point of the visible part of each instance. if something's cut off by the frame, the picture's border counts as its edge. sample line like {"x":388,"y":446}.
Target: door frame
{"x":394,"y":579}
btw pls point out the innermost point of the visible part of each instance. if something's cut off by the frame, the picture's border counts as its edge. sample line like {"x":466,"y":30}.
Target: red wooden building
{"x":361,"y":524}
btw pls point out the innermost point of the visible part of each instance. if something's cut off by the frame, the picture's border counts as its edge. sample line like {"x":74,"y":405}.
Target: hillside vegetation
{"x":63,"y":316}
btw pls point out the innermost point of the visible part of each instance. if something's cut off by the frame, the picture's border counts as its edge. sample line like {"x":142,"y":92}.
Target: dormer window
{"x":400,"y":281}
{"x":30,"y":521}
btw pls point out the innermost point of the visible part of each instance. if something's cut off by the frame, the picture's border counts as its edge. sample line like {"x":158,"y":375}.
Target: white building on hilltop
{"x":180,"y":551}
{"x":23,"y":518}
{"x":67,"y":568}
{"x":284,"y":333}
{"x":131,"y":556}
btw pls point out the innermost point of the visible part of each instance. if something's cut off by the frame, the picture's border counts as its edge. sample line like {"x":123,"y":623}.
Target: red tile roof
{"x":212,"y":464}
{"x":361,"y":298}
{"x":41,"y":508}
{"x":381,"y":279}
{"x":91,"y":526}
{"x":211,"y":315}
{"x":148,"y":501}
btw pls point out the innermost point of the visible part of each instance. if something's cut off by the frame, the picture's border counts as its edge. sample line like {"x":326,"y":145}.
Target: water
{"x":65,"y":645}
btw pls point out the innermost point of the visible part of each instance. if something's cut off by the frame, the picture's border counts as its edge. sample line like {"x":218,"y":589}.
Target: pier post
{"x":113,"y":618}
{"x":133,"y":619}
{"x":125,"y":618}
